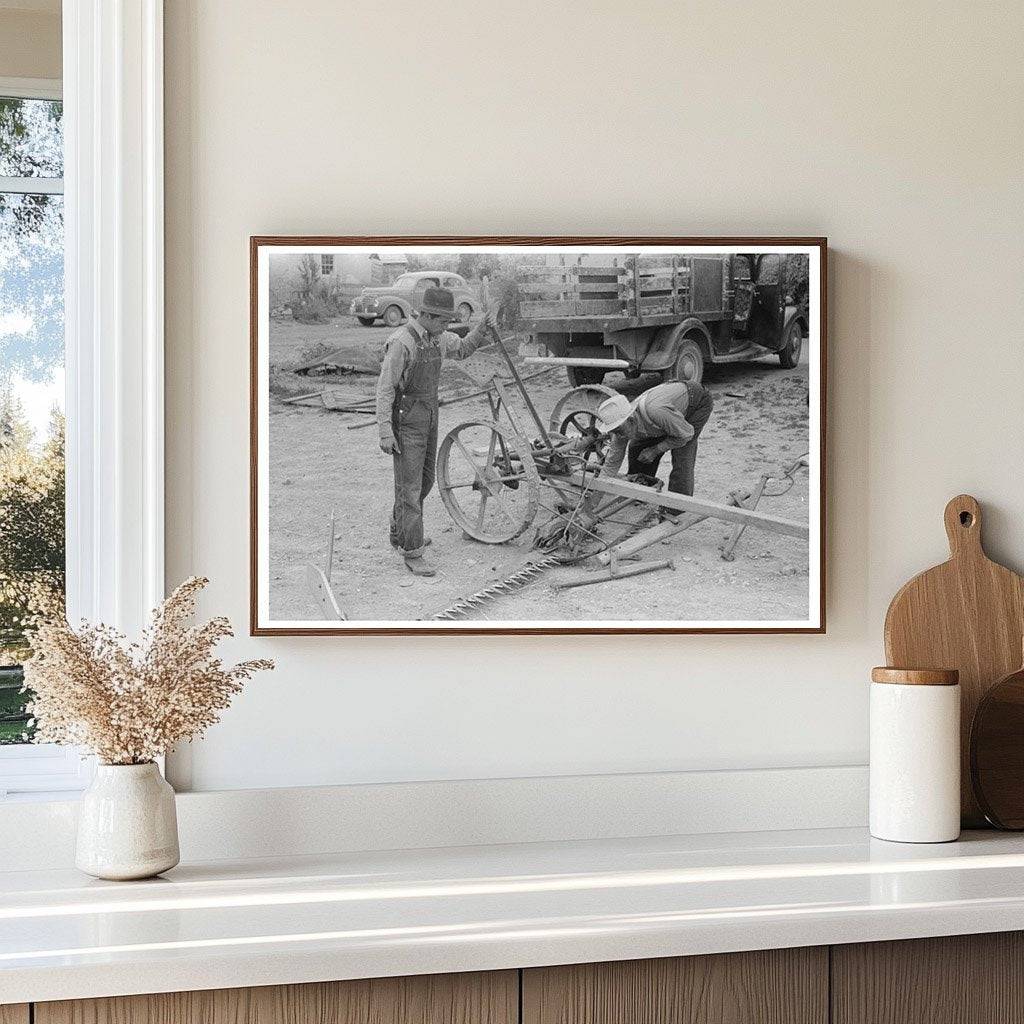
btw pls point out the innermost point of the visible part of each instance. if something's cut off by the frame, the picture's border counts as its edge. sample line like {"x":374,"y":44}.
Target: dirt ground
{"x":318,"y":465}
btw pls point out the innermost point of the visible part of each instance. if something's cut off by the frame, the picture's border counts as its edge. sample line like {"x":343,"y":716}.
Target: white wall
{"x":895,"y":129}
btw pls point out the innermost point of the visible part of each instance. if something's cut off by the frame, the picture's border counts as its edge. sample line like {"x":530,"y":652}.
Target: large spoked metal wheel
{"x":582,"y":399}
{"x":488,"y":481}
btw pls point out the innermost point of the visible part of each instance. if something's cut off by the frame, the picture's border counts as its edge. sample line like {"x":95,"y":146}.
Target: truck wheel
{"x":464,"y":312}
{"x":366,"y":321}
{"x":789,"y":354}
{"x":580,"y":375}
{"x":393,"y":316}
{"x":689,"y":364}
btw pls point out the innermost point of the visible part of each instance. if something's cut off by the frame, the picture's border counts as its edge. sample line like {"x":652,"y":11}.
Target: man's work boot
{"x":419,"y":566}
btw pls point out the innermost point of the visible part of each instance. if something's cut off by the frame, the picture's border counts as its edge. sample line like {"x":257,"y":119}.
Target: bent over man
{"x":407,"y":412}
{"x":667,"y":418}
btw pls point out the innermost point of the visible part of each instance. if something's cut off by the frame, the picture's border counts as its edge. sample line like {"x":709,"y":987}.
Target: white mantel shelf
{"x":265,"y":922}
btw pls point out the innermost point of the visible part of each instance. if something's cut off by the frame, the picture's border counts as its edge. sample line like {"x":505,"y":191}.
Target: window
{"x":769,"y":268}
{"x":454,"y":282}
{"x":32,"y":531}
{"x":326,"y":265}
{"x":113,"y":314}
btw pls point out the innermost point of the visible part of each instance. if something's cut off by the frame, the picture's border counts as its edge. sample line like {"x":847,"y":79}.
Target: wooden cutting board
{"x":967,"y":614}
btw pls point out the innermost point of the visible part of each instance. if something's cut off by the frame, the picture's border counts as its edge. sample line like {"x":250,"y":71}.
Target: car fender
{"x":663,"y":351}
{"x":395,"y":300}
{"x":793,"y":313}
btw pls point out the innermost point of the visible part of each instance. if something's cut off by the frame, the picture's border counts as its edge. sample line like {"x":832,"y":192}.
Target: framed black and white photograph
{"x":537,"y":435}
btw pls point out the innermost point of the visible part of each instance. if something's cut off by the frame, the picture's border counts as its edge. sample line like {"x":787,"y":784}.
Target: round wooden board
{"x":997,"y":752}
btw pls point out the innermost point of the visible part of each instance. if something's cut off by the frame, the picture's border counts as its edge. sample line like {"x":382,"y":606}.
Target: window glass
{"x":769,"y":268}
{"x":327,"y":265}
{"x":741,"y":267}
{"x":31,"y":387}
{"x":31,"y":142}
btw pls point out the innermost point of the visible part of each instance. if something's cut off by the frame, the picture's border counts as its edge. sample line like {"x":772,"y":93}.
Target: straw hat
{"x":613,"y":412}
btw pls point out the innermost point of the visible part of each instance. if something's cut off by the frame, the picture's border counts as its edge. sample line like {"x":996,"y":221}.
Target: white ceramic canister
{"x":127,"y":825}
{"x":915,"y":755}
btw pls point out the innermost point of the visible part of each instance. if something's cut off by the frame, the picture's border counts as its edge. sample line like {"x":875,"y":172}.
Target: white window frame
{"x":114,"y":324}
{"x":323,"y":264}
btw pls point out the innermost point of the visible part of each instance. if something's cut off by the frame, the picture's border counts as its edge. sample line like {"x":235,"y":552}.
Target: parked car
{"x":395,"y":303}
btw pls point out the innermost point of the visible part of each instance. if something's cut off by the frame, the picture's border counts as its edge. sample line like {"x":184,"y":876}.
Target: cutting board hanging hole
{"x":963,"y":525}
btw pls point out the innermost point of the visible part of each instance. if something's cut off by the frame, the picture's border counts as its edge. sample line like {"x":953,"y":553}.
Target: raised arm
{"x":454,"y":347}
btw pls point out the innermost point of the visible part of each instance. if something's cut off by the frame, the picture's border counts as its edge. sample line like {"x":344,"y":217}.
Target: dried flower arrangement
{"x":129,"y":703}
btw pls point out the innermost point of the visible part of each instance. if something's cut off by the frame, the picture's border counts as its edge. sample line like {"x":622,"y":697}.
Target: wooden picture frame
{"x":691,"y":283}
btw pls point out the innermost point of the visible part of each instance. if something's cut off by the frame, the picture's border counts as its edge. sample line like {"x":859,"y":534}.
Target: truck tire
{"x":688,"y":365}
{"x":580,"y":375}
{"x":393,"y":316}
{"x":789,"y":354}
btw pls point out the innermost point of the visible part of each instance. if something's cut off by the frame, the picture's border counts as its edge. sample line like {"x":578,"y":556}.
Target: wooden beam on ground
{"x":683,"y":503}
{"x":617,"y":574}
{"x":653,"y":534}
{"x":302,"y":398}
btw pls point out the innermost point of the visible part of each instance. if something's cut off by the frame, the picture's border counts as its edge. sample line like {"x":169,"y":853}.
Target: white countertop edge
{"x":543,"y":946}
{"x":230,"y":924}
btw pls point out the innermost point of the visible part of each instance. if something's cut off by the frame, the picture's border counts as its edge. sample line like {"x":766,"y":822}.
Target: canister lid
{"x":916,"y":676}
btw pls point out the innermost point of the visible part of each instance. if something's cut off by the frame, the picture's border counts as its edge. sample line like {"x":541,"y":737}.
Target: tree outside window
{"x":31,"y":387}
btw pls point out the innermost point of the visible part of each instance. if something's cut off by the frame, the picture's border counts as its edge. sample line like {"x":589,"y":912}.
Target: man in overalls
{"x":407,"y":412}
{"x":667,"y":418}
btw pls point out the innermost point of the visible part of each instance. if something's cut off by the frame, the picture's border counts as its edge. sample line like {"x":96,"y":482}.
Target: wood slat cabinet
{"x":962,"y":979}
{"x":968,"y":979}
{"x":774,"y":986}
{"x":481,"y":998}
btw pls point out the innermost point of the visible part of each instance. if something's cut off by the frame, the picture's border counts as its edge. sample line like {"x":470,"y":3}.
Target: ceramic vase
{"x":127,"y":825}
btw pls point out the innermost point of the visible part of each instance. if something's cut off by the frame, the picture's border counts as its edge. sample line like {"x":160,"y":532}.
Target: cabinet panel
{"x":481,"y":998}
{"x":778,"y":986}
{"x":962,"y":979}
{"x":14,"y":1013}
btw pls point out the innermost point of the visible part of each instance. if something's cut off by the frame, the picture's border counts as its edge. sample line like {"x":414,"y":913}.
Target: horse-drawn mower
{"x":495,"y":475}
